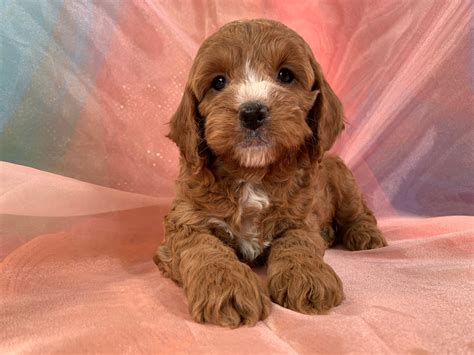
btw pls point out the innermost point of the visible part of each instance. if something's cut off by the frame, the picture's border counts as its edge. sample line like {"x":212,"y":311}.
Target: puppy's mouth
{"x":254,"y":139}
{"x":254,"y":149}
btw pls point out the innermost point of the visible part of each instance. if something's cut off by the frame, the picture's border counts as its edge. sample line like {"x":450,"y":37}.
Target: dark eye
{"x":286,"y":76}
{"x":218,"y":83}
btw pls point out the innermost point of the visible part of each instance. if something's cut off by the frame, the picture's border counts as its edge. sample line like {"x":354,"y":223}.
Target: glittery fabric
{"x":86,"y":90}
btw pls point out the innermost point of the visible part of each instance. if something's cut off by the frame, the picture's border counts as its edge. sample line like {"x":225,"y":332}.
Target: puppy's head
{"x":255,"y":93}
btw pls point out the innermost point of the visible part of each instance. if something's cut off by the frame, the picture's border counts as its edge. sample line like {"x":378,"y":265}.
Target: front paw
{"x":307,"y":286}
{"x":363,"y":236}
{"x":228,"y":295}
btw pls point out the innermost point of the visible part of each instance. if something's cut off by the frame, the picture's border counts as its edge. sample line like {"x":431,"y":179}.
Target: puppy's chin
{"x":257,"y":156}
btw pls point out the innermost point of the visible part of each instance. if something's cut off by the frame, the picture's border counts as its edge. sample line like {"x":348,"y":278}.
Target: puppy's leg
{"x":356,"y":224}
{"x":299,"y":279}
{"x":220,"y":289}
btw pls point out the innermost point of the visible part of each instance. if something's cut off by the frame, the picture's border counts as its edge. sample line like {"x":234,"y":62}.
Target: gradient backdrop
{"x":86,"y":91}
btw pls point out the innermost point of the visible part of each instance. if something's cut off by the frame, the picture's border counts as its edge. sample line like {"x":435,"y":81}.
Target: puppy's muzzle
{"x":253,"y":115}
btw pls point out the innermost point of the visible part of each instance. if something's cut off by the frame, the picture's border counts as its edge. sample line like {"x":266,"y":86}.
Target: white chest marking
{"x":253,"y":197}
{"x":246,"y":233}
{"x":250,"y":249}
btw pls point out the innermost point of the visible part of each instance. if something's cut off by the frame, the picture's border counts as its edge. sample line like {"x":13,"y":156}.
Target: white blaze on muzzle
{"x":254,"y":87}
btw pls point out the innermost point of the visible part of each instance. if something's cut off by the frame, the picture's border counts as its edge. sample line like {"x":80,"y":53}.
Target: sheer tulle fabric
{"x":86,"y":90}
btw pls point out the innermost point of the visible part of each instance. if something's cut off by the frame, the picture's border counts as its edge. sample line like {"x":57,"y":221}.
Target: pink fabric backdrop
{"x":88,"y":175}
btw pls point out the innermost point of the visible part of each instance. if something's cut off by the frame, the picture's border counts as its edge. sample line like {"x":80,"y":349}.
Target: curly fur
{"x":281,"y":202}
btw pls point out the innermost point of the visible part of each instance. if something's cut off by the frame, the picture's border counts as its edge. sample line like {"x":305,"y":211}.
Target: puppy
{"x":256,"y":184}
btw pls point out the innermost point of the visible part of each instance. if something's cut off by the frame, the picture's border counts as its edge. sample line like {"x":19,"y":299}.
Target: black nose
{"x":252,"y":114}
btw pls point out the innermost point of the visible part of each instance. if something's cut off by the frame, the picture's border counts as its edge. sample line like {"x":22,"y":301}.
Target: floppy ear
{"x":185,"y":130}
{"x":327,"y":117}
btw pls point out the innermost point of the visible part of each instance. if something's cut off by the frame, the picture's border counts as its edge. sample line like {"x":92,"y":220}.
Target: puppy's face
{"x":254,"y":87}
